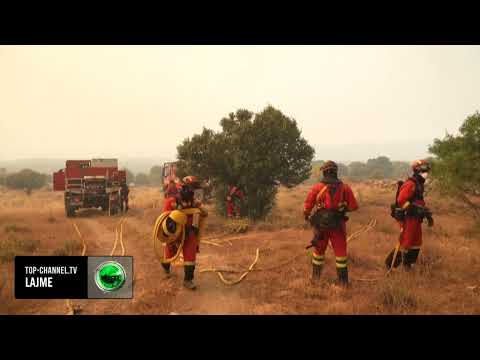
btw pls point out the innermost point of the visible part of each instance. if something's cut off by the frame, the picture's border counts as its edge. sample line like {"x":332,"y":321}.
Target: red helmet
{"x":329,"y":165}
{"x":421,"y":166}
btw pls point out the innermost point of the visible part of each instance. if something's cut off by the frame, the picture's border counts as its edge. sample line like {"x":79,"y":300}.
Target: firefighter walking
{"x":180,"y":225}
{"x":171,"y":189}
{"x":124,"y":191}
{"x":235,"y":197}
{"x":410,"y":210}
{"x":331,"y":199}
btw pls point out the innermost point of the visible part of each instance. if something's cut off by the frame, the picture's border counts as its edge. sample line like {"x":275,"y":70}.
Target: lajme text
{"x":38,"y":282}
{"x":45,"y":281}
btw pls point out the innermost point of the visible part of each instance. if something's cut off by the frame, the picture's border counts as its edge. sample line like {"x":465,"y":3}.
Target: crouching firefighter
{"x":179,"y":228}
{"x":331,"y":199}
{"x":410,"y":210}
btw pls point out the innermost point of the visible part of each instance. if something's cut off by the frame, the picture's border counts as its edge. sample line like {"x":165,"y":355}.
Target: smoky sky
{"x":142,"y":101}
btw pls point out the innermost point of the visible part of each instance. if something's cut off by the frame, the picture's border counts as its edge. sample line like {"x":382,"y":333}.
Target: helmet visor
{"x":424,"y":168}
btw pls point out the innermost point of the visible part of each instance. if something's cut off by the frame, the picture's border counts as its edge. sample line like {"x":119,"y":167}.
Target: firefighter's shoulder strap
{"x":198,"y":220}
{"x":399,"y":186}
{"x":418,"y":193}
{"x":342,"y":200}
{"x":320,"y":193}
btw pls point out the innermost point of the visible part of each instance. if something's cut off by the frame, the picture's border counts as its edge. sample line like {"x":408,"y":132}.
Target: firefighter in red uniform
{"x":124,"y":191}
{"x":171,"y":189}
{"x":332,"y":199}
{"x":185,"y":200}
{"x":234,"y":197}
{"x":410,"y":210}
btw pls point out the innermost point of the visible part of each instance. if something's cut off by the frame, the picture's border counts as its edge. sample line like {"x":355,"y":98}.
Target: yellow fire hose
{"x":70,"y":308}
{"x":156,"y":230}
{"x":84,"y":245}
{"x":395,"y":253}
{"x":366,"y":228}
{"x":118,"y":237}
{"x":233,"y":282}
{"x":356,"y":234}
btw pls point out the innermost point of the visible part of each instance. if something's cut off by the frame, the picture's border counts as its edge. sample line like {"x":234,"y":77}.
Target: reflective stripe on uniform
{"x":341,"y":261}
{"x":317,"y":259}
{"x":415,"y":247}
{"x":187,"y":263}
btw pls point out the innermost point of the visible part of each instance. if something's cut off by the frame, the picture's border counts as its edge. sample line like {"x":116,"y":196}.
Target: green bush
{"x":457,"y":162}
{"x":14,"y":228}
{"x":12,"y":247}
{"x":255,"y":152}
{"x":69,"y":248}
{"x":26,"y":179}
{"x":142,"y":179}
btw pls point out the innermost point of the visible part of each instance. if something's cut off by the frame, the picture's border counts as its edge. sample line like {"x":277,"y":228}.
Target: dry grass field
{"x":445,"y":281}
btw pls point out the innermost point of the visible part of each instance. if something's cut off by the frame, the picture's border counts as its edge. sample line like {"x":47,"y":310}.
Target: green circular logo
{"x":110,"y":276}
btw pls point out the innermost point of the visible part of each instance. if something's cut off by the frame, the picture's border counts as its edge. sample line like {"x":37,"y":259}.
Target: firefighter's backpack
{"x":395,"y":211}
{"x":328,"y":219}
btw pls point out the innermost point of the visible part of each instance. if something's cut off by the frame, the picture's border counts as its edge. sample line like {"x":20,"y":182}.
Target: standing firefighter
{"x":331,"y":199}
{"x":171,"y":189}
{"x":180,"y":228}
{"x":410,"y":210}
{"x":235,"y":197}
{"x":124,"y":191}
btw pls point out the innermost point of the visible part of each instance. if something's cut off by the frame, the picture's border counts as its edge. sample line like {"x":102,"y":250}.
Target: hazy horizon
{"x":351,"y":102}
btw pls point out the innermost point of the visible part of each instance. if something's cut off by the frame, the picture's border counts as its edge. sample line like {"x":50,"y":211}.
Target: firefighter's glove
{"x":342,"y":207}
{"x":428,"y":216}
{"x":306,"y":216}
{"x":196,"y":230}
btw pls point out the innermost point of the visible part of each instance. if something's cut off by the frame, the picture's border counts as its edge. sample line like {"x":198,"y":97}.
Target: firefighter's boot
{"x":389,"y":259}
{"x":166,"y":268}
{"x":188,"y":280}
{"x":316,"y":272}
{"x":410,"y":258}
{"x":342,"y":275}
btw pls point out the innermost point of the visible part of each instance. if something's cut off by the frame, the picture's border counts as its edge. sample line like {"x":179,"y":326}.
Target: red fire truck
{"x":169,"y":173}
{"x":90,"y":184}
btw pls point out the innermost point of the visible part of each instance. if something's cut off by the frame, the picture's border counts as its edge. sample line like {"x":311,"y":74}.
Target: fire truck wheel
{"x":70,"y":212}
{"x":114,"y":210}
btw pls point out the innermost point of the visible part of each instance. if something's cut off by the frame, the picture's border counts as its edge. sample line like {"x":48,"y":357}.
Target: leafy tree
{"x":3,"y":176}
{"x":156,"y":175}
{"x":357,"y":170}
{"x":342,"y":170}
{"x":400,"y":169}
{"x":142,"y":179}
{"x":379,"y":168}
{"x":254,"y":151}
{"x":130,"y":176}
{"x":26,"y":179}
{"x":457,"y":162}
